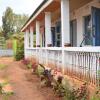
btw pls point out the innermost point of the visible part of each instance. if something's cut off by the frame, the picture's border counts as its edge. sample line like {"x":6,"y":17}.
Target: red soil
{"x":26,"y":86}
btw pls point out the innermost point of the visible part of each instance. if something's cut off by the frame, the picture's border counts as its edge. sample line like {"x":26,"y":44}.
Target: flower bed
{"x":60,"y":84}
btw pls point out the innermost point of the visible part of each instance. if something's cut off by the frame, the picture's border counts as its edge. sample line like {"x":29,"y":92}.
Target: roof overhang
{"x":42,"y":6}
{"x":50,"y":5}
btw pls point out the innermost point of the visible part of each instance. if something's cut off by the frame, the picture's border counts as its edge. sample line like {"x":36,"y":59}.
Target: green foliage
{"x":1,"y":32}
{"x":19,"y":21}
{"x":12,"y":22}
{"x":77,"y":94}
{"x":20,"y":46}
{"x":2,"y":42}
{"x":29,"y":66}
{"x":62,"y":88}
{"x":39,"y":70}
{"x":20,"y":52}
{"x":7,"y":20}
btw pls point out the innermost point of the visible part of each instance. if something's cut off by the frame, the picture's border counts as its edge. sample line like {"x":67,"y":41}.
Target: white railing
{"x":79,"y":62}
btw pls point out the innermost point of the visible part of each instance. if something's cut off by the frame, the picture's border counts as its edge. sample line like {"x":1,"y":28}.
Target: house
{"x":67,"y":37}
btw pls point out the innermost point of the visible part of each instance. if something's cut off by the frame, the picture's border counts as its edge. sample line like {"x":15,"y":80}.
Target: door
{"x":96,"y":26}
{"x":73,"y":33}
{"x":58,"y":34}
{"x":88,"y":37}
{"x":53,"y":36}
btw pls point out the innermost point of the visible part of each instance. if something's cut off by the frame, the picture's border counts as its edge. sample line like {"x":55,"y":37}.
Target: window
{"x":88,"y":34}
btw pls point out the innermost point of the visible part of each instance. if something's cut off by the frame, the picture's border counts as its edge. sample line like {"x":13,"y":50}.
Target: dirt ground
{"x":26,"y":86}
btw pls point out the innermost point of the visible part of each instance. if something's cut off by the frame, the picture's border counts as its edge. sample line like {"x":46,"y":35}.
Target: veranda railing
{"x":79,"y":62}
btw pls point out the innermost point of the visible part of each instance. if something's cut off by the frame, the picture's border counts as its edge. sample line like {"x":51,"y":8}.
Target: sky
{"x":19,"y":6}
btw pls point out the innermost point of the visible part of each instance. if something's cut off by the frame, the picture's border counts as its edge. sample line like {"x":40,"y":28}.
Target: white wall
{"x":79,"y":14}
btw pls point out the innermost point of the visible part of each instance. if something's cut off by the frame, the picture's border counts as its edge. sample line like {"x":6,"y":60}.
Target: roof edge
{"x":37,"y":9}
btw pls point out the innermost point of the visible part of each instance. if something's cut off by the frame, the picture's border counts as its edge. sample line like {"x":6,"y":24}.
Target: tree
{"x":7,"y":20}
{"x":12,"y":22}
{"x":1,"y":32}
{"x":19,"y":21}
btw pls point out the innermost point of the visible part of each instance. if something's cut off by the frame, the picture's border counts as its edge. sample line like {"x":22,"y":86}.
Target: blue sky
{"x":19,"y":6}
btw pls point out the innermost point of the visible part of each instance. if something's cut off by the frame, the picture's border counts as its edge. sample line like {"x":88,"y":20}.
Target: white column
{"x":65,"y":28}
{"x":31,"y":37}
{"x":25,"y":44}
{"x":27,"y":39}
{"x":65,"y":22}
{"x":37,"y":33}
{"x":48,"y":29}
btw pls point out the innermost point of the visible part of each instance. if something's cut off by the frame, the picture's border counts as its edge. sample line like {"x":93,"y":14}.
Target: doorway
{"x":73,"y":33}
{"x":96,"y":26}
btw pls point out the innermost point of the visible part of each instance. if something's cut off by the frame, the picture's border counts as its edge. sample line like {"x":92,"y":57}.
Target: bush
{"x":47,"y":77}
{"x":43,"y":73}
{"x":77,"y":94}
{"x":18,"y":47}
{"x":62,"y":88}
{"x":19,"y":52}
{"x":39,"y":70}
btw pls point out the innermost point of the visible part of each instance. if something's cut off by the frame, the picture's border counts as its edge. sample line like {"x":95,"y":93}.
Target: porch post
{"x":27,"y":38}
{"x":65,"y":29}
{"x":37,"y":34}
{"x":65,"y":23}
{"x":25,"y":44}
{"x":31,"y":37}
{"x":48,"y":29}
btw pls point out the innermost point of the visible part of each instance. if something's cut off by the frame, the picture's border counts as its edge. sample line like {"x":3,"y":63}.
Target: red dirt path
{"x":26,"y":86}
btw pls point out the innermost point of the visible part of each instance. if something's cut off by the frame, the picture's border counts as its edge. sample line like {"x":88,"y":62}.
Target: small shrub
{"x":58,"y":87}
{"x":19,"y":55}
{"x":39,"y":70}
{"x":77,"y":94}
{"x":29,"y":66}
{"x":62,"y":88}
{"x":47,"y":77}
{"x":57,"y":84}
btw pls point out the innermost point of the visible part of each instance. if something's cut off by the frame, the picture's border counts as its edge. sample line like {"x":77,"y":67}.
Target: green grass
{"x":2,"y":66}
